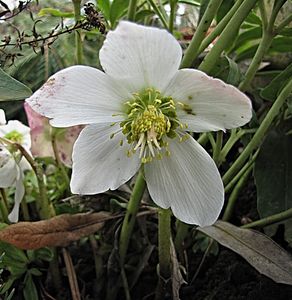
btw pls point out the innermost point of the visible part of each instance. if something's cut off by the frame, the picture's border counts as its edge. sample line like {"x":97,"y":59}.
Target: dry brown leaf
{"x":258,"y":249}
{"x":57,"y":231}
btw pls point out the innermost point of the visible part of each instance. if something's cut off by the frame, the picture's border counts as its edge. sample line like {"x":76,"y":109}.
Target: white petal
{"x":12,"y":4}
{"x":79,"y":95}
{"x":8,"y":170}
{"x":214,"y":104}
{"x":19,"y":193}
{"x":2,"y":117}
{"x":140,"y":56}
{"x":99,"y":162}
{"x":188,"y":181}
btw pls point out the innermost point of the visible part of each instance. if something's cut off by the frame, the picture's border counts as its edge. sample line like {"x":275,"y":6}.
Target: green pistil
{"x":150,"y":118}
{"x":14,"y":136}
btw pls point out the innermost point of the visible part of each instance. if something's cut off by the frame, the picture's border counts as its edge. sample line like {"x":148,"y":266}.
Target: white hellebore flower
{"x":139,"y":111}
{"x":11,"y":164}
{"x":11,"y":4}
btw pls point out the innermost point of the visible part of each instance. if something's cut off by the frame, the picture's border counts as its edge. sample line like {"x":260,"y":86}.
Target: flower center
{"x":151,"y":118}
{"x":14,"y":136}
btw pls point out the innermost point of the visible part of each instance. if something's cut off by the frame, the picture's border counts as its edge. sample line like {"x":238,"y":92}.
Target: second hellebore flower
{"x":12,"y":164}
{"x":139,"y":111}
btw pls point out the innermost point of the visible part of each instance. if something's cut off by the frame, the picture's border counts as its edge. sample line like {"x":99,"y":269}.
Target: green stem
{"x":203,"y":139}
{"x":260,"y":133}
{"x":173,"y":5}
{"x":219,"y":28}
{"x":3,"y":206}
{"x":234,"y":137}
{"x":230,"y":185}
{"x":45,"y":209}
{"x":263,"y":13}
{"x":132,"y":10}
{"x":282,"y":216}
{"x":218,"y":147}
{"x":78,"y":40}
{"x":235,"y":193}
{"x":227,"y":35}
{"x":262,"y":49}
{"x":201,"y":31}
{"x":130,"y":217}
{"x":24,"y":209}
{"x":164,"y":236}
{"x":181,"y":234}
{"x":159,"y":13}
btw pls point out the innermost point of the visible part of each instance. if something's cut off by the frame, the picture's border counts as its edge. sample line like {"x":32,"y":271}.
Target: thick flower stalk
{"x":139,"y":111}
{"x":12,"y":164}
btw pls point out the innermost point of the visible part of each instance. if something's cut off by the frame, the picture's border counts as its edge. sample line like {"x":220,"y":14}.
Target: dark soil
{"x":231,"y":278}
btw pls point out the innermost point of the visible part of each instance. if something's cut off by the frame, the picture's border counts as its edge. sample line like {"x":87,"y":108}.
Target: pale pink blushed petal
{"x":41,"y":137}
{"x":210,"y":103}
{"x":99,"y":162}
{"x":79,"y":95}
{"x":188,"y":181}
{"x":140,"y":57}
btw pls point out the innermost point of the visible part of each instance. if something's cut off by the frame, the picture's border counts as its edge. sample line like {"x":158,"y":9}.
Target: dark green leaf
{"x":11,"y":89}
{"x":104,"y":6}
{"x":117,"y":10}
{"x":271,"y":91}
{"x":254,"y":33}
{"x":252,"y":18}
{"x":30,"y":291}
{"x":273,"y":175}
{"x":227,"y":70}
{"x":279,"y":44}
{"x":55,"y":13}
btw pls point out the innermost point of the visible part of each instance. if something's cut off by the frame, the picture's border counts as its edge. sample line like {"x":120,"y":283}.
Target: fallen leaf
{"x":258,"y":249}
{"x":58,"y":231}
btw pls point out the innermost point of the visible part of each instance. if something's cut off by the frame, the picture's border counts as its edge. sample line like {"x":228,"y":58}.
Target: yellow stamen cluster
{"x":150,"y":118}
{"x":14,"y":136}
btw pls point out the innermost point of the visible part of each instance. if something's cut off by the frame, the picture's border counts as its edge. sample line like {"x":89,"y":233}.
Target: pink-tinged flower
{"x":41,"y":137}
{"x":139,"y":112}
{"x":12,"y":165}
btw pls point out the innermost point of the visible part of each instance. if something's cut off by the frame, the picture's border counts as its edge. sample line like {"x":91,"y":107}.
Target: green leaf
{"x":279,"y":45}
{"x":258,"y":249}
{"x":227,"y":70}
{"x":252,"y":18}
{"x":255,"y":33}
{"x":30,"y":291}
{"x":12,"y":254}
{"x":190,"y":2}
{"x":48,"y":11}
{"x":142,"y":14}
{"x":271,"y":91}
{"x":104,"y":6}
{"x":11,"y":89}
{"x":117,"y":10}
{"x":273,"y":176}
